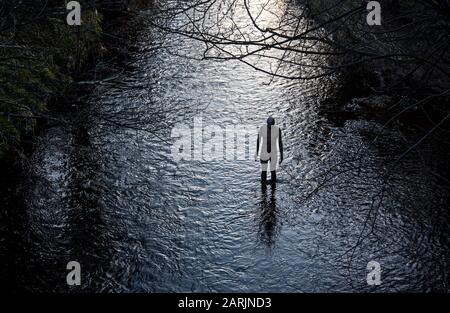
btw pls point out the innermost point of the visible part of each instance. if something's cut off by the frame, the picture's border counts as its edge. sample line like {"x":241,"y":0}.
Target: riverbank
{"x":42,"y":58}
{"x":43,"y":64}
{"x":395,"y":71}
{"x":43,"y":88}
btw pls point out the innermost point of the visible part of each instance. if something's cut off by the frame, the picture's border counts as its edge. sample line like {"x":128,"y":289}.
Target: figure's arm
{"x":257,"y":148}
{"x":280,"y":143}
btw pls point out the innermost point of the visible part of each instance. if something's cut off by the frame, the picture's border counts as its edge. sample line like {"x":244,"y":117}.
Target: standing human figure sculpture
{"x":270,"y":141}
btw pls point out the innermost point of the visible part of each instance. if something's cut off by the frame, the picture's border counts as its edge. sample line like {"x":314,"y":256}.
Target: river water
{"x":107,"y":192}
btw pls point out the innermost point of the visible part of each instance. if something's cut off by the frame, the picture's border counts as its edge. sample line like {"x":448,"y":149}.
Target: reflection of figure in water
{"x":268,"y":136}
{"x":268,"y":220}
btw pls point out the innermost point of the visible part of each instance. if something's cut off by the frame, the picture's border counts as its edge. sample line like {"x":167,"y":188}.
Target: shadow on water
{"x":85,"y":226}
{"x":268,"y":225}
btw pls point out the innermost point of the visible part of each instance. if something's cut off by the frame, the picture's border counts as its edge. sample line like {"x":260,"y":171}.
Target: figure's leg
{"x":264,"y":166}
{"x":273,"y":169}
{"x":273,"y":176}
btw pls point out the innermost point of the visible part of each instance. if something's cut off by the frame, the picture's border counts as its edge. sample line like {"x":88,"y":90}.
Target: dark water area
{"x":106,"y":191}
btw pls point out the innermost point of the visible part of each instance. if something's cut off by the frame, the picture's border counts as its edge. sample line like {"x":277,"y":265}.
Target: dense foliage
{"x":39,"y":57}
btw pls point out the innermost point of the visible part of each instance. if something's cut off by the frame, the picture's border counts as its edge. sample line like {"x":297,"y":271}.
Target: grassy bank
{"x":40,"y":56}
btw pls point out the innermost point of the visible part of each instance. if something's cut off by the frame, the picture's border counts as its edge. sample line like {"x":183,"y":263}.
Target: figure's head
{"x":270,"y":121}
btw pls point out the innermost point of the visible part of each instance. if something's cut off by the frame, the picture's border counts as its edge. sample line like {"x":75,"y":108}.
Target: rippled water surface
{"x":109,"y":194}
